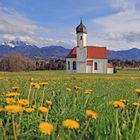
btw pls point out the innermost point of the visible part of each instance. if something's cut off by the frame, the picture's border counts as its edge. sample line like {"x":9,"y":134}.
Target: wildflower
{"x":137,"y":91}
{"x":10,"y":100}
{"x":12,"y":94}
{"x":76,"y":87}
{"x":23,"y":102}
{"x":118,"y":104}
{"x":43,"y":83}
{"x":71,"y":124}
{"x":13,"y":108}
{"x":124,"y":101}
{"x":43,"y":109}
{"x":136,"y":104}
{"x":88,"y":91}
{"x":29,"y":110}
{"x":1,"y":109}
{"x":49,"y":103}
{"x":33,"y":106}
{"x":91,"y":114}
{"x":35,"y":85}
{"x":68,"y":89}
{"x":46,"y":128}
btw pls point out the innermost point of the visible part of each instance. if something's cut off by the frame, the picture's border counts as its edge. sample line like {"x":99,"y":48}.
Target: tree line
{"x":18,"y":62}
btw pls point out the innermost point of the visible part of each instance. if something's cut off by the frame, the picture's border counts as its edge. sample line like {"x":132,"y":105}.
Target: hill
{"x":58,"y":52}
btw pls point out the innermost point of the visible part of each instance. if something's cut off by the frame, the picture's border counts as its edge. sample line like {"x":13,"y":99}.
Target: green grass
{"x":68,"y":105}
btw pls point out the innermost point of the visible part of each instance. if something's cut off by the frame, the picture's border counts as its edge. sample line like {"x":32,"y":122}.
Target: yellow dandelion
{"x":23,"y":102}
{"x":43,"y":109}
{"x":35,"y":85}
{"x":10,"y":100}
{"x":29,"y":110}
{"x":137,"y":91}
{"x":46,"y":128}
{"x":43,"y":83}
{"x":88,"y":91}
{"x":71,"y":124}
{"x":118,"y":104}
{"x":12,"y":94}
{"x":76,"y":87}
{"x":1,"y":109}
{"x":13,"y":108}
{"x":136,"y":104}
{"x":124,"y":101}
{"x":91,"y":114}
{"x":49,"y":103}
{"x":68,"y":89}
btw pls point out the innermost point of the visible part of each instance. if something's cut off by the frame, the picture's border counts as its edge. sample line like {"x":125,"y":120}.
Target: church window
{"x":95,"y":66}
{"x":68,"y":65}
{"x":74,"y":65}
{"x":81,"y":37}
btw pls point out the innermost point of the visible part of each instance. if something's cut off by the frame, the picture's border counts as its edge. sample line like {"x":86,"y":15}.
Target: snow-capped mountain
{"x":58,"y":52}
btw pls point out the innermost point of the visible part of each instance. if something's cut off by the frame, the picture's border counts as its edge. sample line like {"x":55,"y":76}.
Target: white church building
{"x":87,"y":59}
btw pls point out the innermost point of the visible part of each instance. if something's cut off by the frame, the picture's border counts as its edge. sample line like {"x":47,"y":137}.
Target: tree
{"x":16,"y":62}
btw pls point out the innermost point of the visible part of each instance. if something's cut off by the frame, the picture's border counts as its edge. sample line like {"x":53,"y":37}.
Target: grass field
{"x":57,"y":97}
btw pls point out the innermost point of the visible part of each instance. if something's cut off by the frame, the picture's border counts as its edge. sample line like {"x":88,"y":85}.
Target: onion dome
{"x":81,"y":28}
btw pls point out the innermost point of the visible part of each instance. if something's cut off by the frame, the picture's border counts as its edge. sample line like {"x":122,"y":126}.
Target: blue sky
{"x":111,"y":23}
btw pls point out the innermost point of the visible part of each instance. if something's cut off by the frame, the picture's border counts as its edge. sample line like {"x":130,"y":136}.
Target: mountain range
{"x":58,"y":52}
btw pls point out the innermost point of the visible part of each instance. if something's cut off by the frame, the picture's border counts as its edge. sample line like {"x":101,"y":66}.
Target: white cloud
{"x":120,"y":30}
{"x":14,"y":26}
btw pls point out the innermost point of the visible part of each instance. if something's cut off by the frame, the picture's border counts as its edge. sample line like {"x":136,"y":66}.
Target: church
{"x":87,"y":59}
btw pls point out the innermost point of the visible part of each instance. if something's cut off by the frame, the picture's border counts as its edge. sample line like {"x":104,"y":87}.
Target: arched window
{"x":68,"y":65}
{"x":74,"y":65}
{"x":95,"y":66}
{"x":81,"y":38}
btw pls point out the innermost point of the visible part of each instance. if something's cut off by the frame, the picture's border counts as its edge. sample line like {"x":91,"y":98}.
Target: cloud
{"x":120,"y":30}
{"x":14,"y":26}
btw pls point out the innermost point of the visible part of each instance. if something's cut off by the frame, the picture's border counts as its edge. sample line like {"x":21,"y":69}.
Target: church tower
{"x":81,"y":32}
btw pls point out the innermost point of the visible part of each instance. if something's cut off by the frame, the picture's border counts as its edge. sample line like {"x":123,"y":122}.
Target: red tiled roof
{"x":92,"y":52}
{"x":109,"y":65}
{"x":72,"y":53}
{"x":89,"y":62}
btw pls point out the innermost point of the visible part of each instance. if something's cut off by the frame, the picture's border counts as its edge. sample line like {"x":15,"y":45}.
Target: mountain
{"x":32,"y":51}
{"x":57,"y":52}
{"x":131,"y":54}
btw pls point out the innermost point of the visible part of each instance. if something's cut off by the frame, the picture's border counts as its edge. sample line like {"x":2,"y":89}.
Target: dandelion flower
{"x":49,"y":103}
{"x":46,"y":128}
{"x":118,"y":104}
{"x":137,"y":91}
{"x":68,"y":89}
{"x":23,"y":102}
{"x":43,"y":109}
{"x":88,"y":91}
{"x":136,"y":104}
{"x":1,"y":109}
{"x":12,"y":94}
{"x":13,"y":108}
{"x":10,"y":100}
{"x":71,"y":124}
{"x":91,"y":114}
{"x":124,"y":101}
{"x":43,"y":83}
{"x":29,"y":110}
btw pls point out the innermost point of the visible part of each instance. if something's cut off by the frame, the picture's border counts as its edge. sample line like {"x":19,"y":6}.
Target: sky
{"x":111,"y":23}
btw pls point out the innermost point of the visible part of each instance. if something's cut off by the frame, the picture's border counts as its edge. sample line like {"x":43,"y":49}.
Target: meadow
{"x":56,"y":105}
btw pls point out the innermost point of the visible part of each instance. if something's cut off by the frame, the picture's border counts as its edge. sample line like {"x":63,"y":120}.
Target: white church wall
{"x":82,"y":42}
{"x":71,"y":60}
{"x":89,"y":69}
{"x":110,"y":70}
{"x":101,"y":65}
